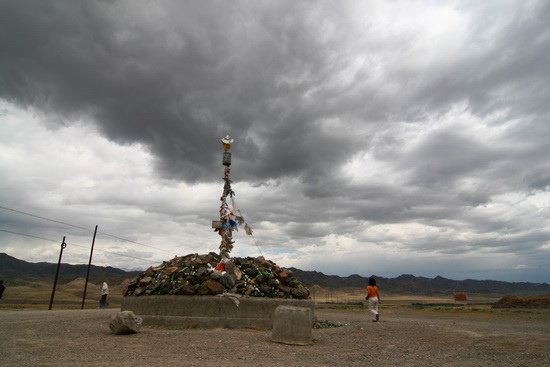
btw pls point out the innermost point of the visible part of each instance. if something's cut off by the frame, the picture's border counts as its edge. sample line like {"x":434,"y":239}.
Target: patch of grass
{"x":341,"y":306}
{"x":452,"y":306}
{"x":324,"y":324}
{"x":36,"y":295}
{"x":479,"y":310}
{"x":420,"y":306}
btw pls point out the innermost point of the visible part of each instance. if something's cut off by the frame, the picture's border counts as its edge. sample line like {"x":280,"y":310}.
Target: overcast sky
{"x":371,"y":137}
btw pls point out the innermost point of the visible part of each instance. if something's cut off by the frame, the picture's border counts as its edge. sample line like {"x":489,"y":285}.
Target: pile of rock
{"x":512,"y":301}
{"x":208,"y":275}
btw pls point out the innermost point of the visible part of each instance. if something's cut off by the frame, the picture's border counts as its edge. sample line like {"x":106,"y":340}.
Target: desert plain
{"x":412,"y":331}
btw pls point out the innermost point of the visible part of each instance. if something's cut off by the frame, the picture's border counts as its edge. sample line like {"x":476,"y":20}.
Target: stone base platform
{"x":209,"y":311}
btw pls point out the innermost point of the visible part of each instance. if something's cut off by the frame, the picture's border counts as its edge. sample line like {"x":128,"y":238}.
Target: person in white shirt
{"x":104,"y":293}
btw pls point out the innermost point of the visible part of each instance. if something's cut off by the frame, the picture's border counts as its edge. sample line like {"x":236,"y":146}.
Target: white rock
{"x":125,"y":322}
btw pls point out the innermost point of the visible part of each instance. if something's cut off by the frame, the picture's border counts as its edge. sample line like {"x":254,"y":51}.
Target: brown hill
{"x":512,"y":301}
{"x":77,"y":285}
{"x":17,"y":271}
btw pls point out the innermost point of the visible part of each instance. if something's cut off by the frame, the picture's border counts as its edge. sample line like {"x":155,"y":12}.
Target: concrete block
{"x":292,"y":325}
{"x":209,"y":311}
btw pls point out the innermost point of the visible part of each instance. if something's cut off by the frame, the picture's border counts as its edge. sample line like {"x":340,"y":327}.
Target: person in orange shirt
{"x":374,"y":299}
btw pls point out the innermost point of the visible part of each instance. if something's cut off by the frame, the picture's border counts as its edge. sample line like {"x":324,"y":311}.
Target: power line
{"x":130,"y":256}
{"x":72,"y":244}
{"x":27,"y":235}
{"x":83,"y":228}
{"x":137,"y":243}
{"x":44,"y":218}
{"x":111,"y":252}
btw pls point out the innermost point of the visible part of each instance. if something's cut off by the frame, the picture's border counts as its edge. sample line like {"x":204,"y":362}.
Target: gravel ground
{"x":403,"y":337}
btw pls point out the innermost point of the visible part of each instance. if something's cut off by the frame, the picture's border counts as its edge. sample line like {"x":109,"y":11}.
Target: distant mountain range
{"x":410,"y":284}
{"x":14,"y":271}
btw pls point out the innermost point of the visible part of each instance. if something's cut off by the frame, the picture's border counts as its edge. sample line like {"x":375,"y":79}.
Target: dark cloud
{"x":175,"y":84}
{"x":177,"y":77}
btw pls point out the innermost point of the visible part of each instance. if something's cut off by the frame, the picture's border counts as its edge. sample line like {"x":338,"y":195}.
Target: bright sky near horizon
{"x":371,"y":137}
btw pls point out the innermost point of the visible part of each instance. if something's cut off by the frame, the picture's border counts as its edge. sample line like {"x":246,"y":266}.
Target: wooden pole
{"x":88,"y":272}
{"x":63,"y":245}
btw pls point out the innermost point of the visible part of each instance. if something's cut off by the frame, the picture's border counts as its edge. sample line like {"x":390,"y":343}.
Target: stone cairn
{"x":195,"y":275}
{"x":213,"y":273}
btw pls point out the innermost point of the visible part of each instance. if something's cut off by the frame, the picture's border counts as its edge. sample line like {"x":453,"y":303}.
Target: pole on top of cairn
{"x":227,"y":222}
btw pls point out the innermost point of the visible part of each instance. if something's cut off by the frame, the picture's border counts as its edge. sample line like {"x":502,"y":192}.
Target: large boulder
{"x":125,"y":322}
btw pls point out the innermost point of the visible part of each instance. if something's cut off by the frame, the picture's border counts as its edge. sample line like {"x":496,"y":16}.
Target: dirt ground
{"x":403,"y":337}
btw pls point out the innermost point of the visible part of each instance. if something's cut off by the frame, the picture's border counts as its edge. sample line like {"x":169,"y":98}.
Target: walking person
{"x":374,"y":299}
{"x":104,"y":293}
{"x":2,"y":288}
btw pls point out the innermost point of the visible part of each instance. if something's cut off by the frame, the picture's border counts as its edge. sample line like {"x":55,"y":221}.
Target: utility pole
{"x":63,"y":245}
{"x":88,"y":272}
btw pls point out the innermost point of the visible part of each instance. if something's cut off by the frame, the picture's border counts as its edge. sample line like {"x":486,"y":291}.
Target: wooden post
{"x":88,"y":272}
{"x":226,"y":225}
{"x":63,"y":245}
